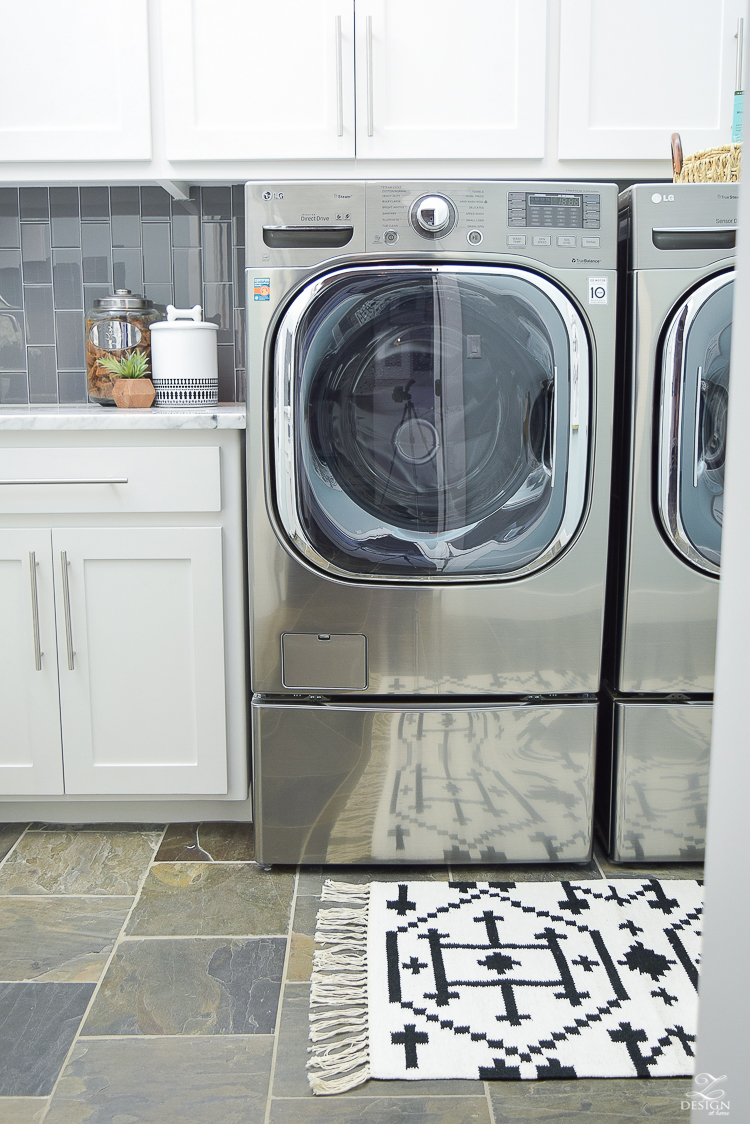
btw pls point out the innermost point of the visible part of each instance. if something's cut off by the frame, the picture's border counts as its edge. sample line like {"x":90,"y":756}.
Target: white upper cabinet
{"x":74,"y":81}
{"x":632,"y":74}
{"x":252,"y":80}
{"x":436,"y":79}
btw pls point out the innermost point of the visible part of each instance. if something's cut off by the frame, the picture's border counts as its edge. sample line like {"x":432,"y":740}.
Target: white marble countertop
{"x":230,"y":415}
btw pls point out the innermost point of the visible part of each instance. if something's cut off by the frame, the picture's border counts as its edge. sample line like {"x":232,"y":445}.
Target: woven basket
{"x":711,"y":165}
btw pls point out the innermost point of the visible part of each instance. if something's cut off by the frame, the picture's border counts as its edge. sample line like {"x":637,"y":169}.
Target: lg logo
{"x":657,"y":198}
{"x":273,"y":195}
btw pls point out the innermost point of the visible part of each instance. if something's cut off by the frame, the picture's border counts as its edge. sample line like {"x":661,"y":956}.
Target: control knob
{"x":433,"y":216}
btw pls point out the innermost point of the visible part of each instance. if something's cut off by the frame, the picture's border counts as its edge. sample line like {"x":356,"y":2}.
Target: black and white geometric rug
{"x":505,"y":980}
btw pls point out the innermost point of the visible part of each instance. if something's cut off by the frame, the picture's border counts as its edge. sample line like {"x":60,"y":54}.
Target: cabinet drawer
{"x":114,"y":480}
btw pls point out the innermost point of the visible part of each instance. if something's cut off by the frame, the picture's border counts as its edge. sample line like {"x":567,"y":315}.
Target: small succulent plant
{"x":134,"y":365}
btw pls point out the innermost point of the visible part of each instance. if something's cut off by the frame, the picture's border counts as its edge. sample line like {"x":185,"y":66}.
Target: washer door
{"x":693,"y":422}
{"x":431,"y":422}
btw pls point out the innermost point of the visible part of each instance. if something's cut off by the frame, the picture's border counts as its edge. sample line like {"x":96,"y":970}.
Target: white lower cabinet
{"x":141,"y":660}
{"x":112,"y":662}
{"x":30,"y":741}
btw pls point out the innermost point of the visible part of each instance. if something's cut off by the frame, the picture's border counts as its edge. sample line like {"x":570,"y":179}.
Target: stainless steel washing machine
{"x":430,"y":375}
{"x":677,"y":244}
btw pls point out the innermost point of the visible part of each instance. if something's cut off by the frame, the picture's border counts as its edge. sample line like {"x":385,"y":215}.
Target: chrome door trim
{"x":671,"y":407}
{"x":284,"y":423}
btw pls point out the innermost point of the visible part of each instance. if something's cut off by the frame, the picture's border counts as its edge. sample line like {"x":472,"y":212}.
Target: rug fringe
{"x":345,"y":892}
{"x":338,"y":992}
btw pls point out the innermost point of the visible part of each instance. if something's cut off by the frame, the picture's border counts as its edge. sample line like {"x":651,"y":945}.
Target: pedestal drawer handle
{"x":73,"y":480}
{"x":66,"y":608}
{"x":35,"y":611}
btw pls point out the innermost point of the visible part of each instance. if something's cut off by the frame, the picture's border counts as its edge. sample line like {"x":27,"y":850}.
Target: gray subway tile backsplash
{"x":217,"y":251}
{"x":161,"y":295}
{"x":65,"y":216}
{"x":34,"y":204}
{"x":14,"y":389}
{"x":36,"y":253}
{"x":157,"y":253}
{"x":239,"y":277}
{"x":71,"y":386}
{"x":11,"y":341}
{"x":66,"y":277}
{"x":155,"y":203}
{"x":11,"y":290}
{"x":69,"y":336}
{"x":96,"y":250}
{"x":127,"y":269}
{"x":10,"y":229}
{"x":42,"y":374}
{"x":217,"y":307}
{"x":125,"y":207}
{"x":61,"y":248}
{"x":186,"y":223}
{"x":94,"y":203}
{"x":188,"y":290}
{"x":226,"y":370}
{"x":216,"y":203}
{"x":40,"y":316}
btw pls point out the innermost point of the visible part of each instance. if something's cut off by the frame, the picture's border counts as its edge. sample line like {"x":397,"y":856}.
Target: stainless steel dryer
{"x":678,"y":254}
{"x":430,"y":371}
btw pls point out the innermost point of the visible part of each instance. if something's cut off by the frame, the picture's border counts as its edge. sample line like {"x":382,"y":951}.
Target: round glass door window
{"x":695,"y":394}
{"x":431,"y":421}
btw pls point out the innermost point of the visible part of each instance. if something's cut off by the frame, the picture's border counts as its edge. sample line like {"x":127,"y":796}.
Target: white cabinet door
{"x":632,"y":74}
{"x":141,"y":642}
{"x":74,"y":81}
{"x":30,"y":747}
{"x":437,"y":79}
{"x":252,"y":80}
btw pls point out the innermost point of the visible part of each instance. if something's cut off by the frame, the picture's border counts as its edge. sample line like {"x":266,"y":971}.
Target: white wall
{"x":723,"y":1049}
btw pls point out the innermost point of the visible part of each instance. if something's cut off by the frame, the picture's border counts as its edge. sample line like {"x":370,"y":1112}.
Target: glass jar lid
{"x":123,"y":299}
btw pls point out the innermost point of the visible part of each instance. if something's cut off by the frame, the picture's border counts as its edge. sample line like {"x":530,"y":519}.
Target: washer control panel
{"x":554,"y":209}
{"x":559,"y":224}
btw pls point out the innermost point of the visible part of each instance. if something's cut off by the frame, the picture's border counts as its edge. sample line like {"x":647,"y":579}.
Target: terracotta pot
{"x":133,"y":392}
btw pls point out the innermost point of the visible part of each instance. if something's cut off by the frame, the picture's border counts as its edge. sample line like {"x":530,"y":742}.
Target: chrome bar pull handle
{"x":370,"y":125}
{"x":339,"y":80}
{"x":738,"y":73}
{"x":66,"y":609}
{"x":35,"y":611}
{"x":697,"y":435}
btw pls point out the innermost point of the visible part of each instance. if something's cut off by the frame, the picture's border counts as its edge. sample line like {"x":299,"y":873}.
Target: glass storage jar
{"x":116,"y":326}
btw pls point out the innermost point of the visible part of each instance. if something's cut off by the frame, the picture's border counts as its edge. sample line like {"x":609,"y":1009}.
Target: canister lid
{"x":184,"y":319}
{"x":123,"y":298}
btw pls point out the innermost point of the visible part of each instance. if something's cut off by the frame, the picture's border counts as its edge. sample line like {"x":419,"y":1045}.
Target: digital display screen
{"x":554,"y":200}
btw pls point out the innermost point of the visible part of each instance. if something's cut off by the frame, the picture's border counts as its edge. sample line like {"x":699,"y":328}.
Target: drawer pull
{"x":66,"y":608}
{"x":35,"y":611}
{"x":73,"y":480}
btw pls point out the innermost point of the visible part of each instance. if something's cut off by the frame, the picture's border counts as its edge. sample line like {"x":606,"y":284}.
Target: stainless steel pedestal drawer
{"x":369,"y":783}
{"x":653,"y":784}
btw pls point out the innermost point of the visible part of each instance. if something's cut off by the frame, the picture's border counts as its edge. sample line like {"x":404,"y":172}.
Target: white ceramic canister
{"x":184,"y":359}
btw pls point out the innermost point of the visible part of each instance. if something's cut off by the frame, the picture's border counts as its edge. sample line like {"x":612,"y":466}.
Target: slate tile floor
{"x":157,"y":976}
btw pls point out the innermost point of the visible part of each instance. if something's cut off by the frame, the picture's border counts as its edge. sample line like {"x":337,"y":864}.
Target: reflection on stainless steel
{"x":660,"y":781}
{"x":403,"y":450}
{"x":347,"y":784}
{"x":691,"y":443}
